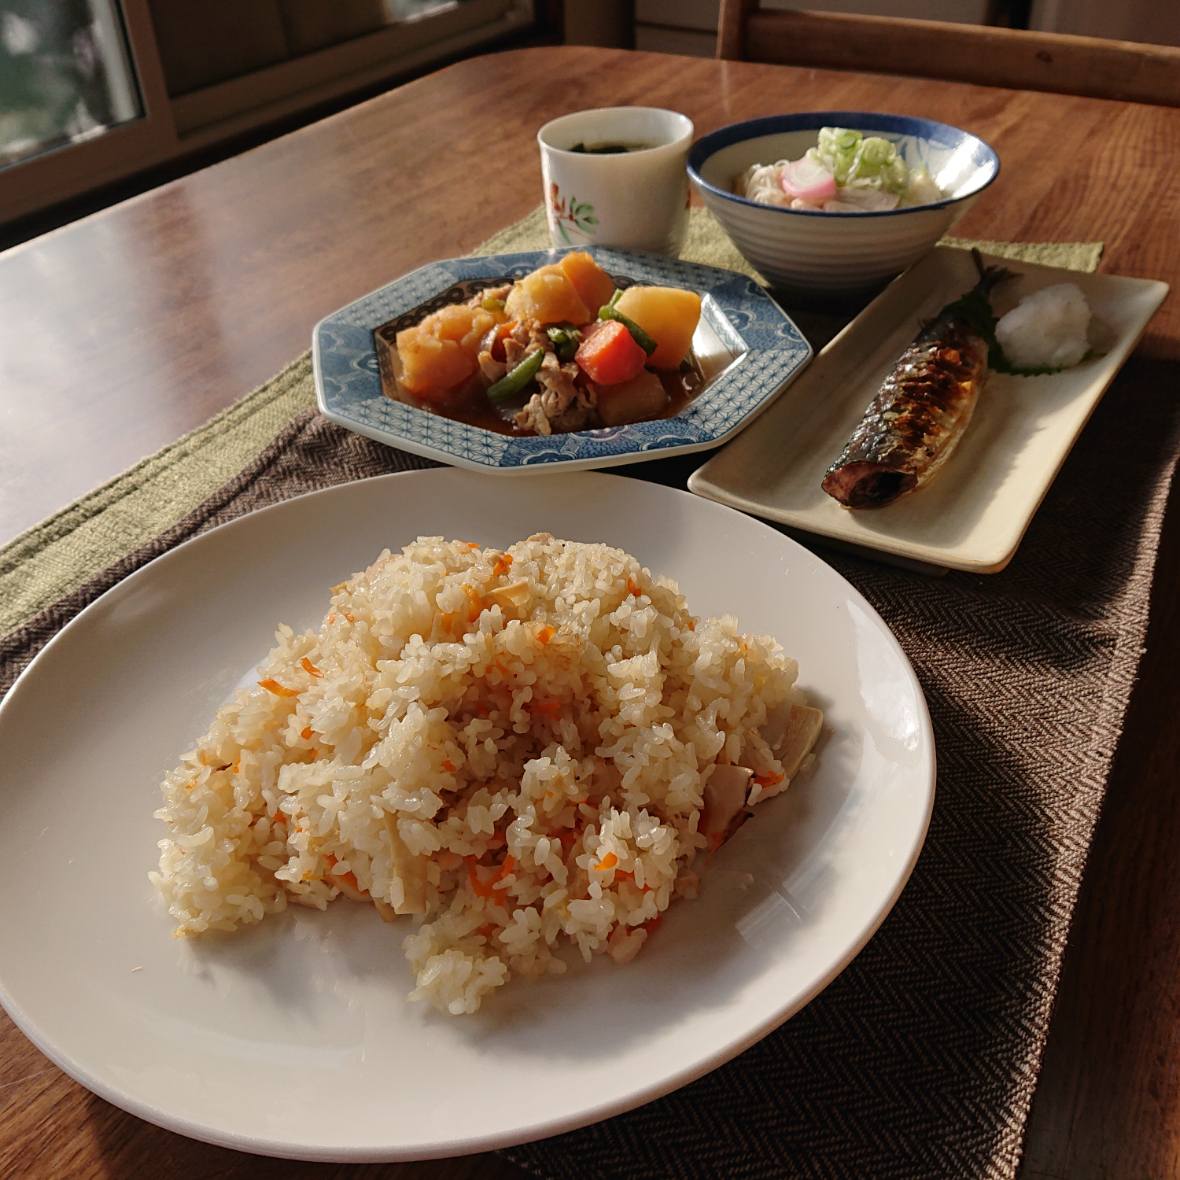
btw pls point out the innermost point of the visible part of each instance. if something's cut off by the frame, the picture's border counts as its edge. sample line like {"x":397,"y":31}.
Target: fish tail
{"x":990,"y":277}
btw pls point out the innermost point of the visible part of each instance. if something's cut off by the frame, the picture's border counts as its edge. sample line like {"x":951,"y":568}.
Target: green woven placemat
{"x":62,"y":552}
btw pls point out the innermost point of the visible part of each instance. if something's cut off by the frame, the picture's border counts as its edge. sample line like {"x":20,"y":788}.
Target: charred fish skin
{"x":921,"y":411}
{"x":915,"y":421}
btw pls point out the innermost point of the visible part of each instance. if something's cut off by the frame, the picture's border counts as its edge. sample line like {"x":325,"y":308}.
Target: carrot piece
{"x":503,"y":565}
{"x":768,"y":780}
{"x":548,"y":708}
{"x":306,"y":734}
{"x":609,"y":355}
{"x":632,"y":588}
{"x":476,"y":608}
{"x":477,"y":886}
{"x":653,"y":924}
{"x":545,"y":634}
{"x":310,"y":668}
{"x":608,"y":862}
{"x":449,"y":765}
{"x":509,"y":863}
{"x":275,"y":687}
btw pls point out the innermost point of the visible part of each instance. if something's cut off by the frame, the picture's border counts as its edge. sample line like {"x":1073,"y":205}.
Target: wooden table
{"x":122,"y":331}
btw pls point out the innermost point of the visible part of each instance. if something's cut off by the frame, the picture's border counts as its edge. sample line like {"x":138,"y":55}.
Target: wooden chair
{"x":1013,"y":58}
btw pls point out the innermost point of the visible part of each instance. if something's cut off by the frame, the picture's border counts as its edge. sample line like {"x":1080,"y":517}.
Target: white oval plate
{"x":293,"y":1038}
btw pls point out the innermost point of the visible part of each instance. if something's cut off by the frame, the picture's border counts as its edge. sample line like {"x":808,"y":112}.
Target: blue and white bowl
{"x":811,"y":251}
{"x":748,"y":347}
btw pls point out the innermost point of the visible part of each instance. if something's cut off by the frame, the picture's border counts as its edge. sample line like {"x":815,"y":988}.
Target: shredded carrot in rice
{"x":503,"y":565}
{"x":545,"y":634}
{"x":306,"y":734}
{"x":476,"y":608}
{"x":449,"y":765}
{"x":632,"y":588}
{"x":608,"y":862}
{"x":310,"y":668}
{"x":275,"y":687}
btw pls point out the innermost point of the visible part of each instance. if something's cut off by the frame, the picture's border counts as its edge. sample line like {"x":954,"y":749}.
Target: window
{"x":65,"y":76}
{"x":92,"y":91}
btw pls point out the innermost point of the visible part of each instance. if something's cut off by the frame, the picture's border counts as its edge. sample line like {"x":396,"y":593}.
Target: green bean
{"x":516,"y":379}
{"x":610,"y":312}
{"x":565,"y":339}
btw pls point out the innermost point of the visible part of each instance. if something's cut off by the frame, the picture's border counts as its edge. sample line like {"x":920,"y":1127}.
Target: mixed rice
{"x":514,"y":747}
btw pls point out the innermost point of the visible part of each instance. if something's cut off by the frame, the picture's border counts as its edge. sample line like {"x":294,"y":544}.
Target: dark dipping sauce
{"x":610,"y":149}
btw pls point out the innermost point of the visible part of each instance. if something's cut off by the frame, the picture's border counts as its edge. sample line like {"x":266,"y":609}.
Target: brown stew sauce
{"x":472,"y":406}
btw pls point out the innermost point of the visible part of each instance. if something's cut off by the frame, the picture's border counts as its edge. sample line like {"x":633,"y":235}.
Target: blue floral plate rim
{"x":738,"y":317}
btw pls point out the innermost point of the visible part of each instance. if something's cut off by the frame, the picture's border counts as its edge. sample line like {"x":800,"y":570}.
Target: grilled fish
{"x":923,"y":406}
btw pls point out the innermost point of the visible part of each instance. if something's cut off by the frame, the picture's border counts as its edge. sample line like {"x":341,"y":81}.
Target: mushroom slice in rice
{"x":409,"y":869}
{"x":791,"y":736}
{"x":725,"y":795}
{"x":798,"y":737}
{"x":514,"y":594}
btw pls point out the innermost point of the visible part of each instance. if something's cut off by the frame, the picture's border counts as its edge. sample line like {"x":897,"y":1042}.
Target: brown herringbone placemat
{"x":920,"y":1060}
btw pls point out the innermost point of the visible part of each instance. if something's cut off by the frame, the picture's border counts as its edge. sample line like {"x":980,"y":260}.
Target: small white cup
{"x":636,"y":199}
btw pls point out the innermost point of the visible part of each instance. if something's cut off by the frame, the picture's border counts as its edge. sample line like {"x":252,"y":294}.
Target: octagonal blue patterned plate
{"x":748,"y":349}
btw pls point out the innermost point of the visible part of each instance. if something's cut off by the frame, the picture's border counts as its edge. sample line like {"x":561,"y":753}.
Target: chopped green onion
{"x":514,"y":381}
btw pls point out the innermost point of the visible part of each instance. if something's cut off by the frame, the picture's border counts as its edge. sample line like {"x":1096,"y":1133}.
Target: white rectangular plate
{"x":974,"y":513}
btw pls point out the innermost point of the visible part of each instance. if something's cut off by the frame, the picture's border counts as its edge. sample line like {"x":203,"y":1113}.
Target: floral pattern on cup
{"x":580,"y":216}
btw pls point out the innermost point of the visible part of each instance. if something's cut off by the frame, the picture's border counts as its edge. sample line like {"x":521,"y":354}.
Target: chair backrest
{"x":1013,"y":58}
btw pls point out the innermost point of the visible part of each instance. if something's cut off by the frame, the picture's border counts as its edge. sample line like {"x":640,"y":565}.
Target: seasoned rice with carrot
{"x":514,"y":747}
